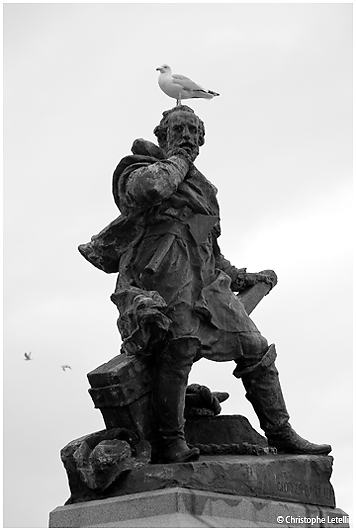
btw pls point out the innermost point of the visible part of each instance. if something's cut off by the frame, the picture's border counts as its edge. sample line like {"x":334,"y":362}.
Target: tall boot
{"x":263,"y":390}
{"x":169,"y":400}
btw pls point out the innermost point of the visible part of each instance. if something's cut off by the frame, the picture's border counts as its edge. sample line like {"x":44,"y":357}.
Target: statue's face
{"x":183,"y":131}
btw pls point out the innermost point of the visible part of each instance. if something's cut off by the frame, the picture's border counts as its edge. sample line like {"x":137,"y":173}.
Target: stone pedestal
{"x":215,"y":491}
{"x":294,"y":478}
{"x":180,"y":507}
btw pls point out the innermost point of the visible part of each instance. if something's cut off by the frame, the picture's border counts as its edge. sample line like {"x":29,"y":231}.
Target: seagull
{"x":64,"y":367}
{"x":28,"y":356}
{"x":181,"y":87}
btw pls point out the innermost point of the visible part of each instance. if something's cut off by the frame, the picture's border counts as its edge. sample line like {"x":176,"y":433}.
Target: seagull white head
{"x":164,"y":69}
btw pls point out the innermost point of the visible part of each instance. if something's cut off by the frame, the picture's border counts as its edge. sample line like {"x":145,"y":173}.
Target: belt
{"x":196,"y":227}
{"x":175,"y":227}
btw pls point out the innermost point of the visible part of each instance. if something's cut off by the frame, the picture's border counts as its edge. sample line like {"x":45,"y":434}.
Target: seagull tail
{"x":206,"y":94}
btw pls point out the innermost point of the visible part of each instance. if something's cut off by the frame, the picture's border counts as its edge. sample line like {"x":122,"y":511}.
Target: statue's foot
{"x":290,"y":442}
{"x":178,"y":451}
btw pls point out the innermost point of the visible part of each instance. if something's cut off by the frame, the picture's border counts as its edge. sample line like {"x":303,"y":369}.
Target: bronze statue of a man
{"x":175,"y":290}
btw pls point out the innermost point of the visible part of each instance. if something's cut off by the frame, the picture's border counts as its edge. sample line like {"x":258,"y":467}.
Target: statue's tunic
{"x":173,"y":281}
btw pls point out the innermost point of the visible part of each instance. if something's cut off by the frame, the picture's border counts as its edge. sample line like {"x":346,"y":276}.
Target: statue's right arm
{"x":153,"y":183}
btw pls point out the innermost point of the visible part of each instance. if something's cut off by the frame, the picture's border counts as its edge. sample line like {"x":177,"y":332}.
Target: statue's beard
{"x":193,"y":149}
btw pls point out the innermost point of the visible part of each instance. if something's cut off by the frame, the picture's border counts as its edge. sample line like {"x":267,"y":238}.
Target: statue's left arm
{"x":240,"y":278}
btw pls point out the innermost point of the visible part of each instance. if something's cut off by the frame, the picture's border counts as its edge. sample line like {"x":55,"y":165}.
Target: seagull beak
{"x":158,"y":68}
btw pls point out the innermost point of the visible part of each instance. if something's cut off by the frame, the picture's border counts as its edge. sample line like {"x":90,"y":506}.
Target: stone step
{"x":189,"y":508}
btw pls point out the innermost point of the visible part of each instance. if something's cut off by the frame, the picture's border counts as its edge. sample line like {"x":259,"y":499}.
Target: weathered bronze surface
{"x":179,"y":299}
{"x":258,"y":474}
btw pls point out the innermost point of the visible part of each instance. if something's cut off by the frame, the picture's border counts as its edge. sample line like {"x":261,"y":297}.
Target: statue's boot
{"x":263,"y":390}
{"x":169,"y":400}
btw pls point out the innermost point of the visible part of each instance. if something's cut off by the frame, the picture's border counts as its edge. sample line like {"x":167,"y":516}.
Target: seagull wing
{"x":185,"y":82}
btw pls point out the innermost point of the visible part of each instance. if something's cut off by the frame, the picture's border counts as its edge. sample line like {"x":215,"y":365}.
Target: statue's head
{"x":180,"y":127}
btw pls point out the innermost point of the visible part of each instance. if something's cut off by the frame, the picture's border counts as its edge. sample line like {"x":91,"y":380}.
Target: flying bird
{"x":64,"y":367}
{"x":27,"y":356}
{"x":181,"y":87}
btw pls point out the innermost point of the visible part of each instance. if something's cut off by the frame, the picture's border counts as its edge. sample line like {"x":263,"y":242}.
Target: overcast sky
{"x":79,"y":86}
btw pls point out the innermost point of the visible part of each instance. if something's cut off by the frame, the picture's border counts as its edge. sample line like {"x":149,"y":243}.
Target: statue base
{"x":180,"y":507}
{"x":294,"y":478}
{"x":215,"y":491}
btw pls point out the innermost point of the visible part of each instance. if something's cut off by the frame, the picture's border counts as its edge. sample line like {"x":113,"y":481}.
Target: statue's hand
{"x":269,"y":277}
{"x":189,"y":154}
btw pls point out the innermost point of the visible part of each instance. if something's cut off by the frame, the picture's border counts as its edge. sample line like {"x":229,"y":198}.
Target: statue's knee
{"x":259,"y":366}
{"x":254,"y":346}
{"x":263,"y":347}
{"x":182,"y":350}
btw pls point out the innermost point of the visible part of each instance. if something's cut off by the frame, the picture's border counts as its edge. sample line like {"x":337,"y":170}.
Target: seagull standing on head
{"x":28,"y":356}
{"x":181,"y":87}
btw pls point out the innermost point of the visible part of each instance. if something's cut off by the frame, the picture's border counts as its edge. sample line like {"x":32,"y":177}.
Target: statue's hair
{"x":161,"y":129}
